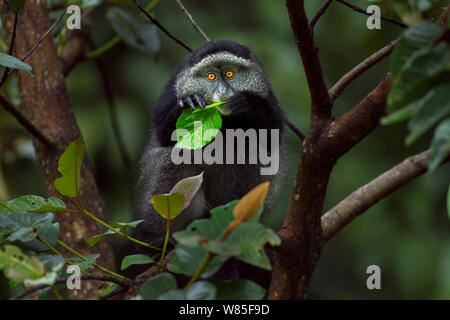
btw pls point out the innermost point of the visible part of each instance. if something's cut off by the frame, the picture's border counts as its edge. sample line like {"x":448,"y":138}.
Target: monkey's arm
{"x":166,"y":113}
{"x":255,"y":112}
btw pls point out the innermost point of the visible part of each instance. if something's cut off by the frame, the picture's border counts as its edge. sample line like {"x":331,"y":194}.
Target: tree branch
{"x":133,"y":289}
{"x":358,"y":9}
{"x":27,"y":124}
{"x":320,"y":100}
{"x":37,"y":43}
{"x":156,"y":23}
{"x":73,"y":51}
{"x":301,"y":234}
{"x":368,"y":195}
{"x":319,"y":13}
{"x":45,"y":102}
{"x":359,"y":69}
{"x":345,"y":132}
{"x":194,"y":24}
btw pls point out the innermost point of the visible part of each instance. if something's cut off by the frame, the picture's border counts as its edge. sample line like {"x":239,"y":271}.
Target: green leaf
{"x":134,"y":30}
{"x":17,"y":266}
{"x":31,"y":203}
{"x":434,"y":106}
{"x":168,"y":205}
{"x":69,"y":165}
{"x":157,"y":285}
{"x":196,"y":128}
{"x":440,"y":146}
{"x":85,"y":264}
{"x":425,"y":68}
{"x":416,"y":37}
{"x":239,"y":290}
{"x":400,"y":115}
{"x":25,"y":234}
{"x":26,"y":226}
{"x":109,"y":289}
{"x":123,"y":226}
{"x":190,"y":239}
{"x":175,"y":294}
{"x":188,"y":187}
{"x":135,"y":259}
{"x":92,"y":241}
{"x":51,"y":261}
{"x":201,"y":236}
{"x":131,"y":224}
{"x":251,"y":237}
{"x":13,"y":63}
{"x":48,"y":279}
{"x":201,"y":290}
{"x":213,"y":227}
{"x":89,"y":3}
{"x":187,"y":259}
{"x":17,"y":4}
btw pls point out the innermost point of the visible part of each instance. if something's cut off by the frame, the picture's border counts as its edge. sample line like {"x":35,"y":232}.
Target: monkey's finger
{"x":190,"y":102}
{"x":199,"y":100}
{"x":181,"y":103}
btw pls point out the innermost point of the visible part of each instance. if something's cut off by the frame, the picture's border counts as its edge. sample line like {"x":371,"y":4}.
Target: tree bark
{"x":45,"y":102}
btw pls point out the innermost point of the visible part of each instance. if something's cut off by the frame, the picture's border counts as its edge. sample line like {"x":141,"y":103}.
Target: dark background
{"x":407,"y":234}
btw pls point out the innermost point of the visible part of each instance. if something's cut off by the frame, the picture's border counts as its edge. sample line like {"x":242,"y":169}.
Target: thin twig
{"x":11,"y":47}
{"x":319,"y":13}
{"x":296,"y":130}
{"x":109,"y":93}
{"x":444,"y":16}
{"x":98,"y":277}
{"x":366,"y":64}
{"x":320,"y":100}
{"x":41,"y":39}
{"x":194,"y":24}
{"x":114,"y":41}
{"x":114,"y":293}
{"x":82,"y":257}
{"x":45,"y":35}
{"x":25,"y":122}
{"x":147,"y":274}
{"x":156,"y":23}
{"x":360,"y":10}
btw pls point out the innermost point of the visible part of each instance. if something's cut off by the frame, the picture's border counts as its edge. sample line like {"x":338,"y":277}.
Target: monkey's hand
{"x":191,"y":102}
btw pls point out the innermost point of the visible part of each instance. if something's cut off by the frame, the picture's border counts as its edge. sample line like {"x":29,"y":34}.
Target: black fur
{"x":248,"y":110}
{"x":222,"y":183}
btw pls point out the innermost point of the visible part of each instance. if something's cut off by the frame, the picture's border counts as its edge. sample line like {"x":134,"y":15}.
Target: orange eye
{"x":229,"y":74}
{"x":211,"y":76}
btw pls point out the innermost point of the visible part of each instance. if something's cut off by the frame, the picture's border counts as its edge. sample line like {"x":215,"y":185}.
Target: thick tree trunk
{"x":45,"y":102}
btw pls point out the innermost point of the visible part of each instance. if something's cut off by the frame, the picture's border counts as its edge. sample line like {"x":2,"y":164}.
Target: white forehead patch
{"x":222,"y":58}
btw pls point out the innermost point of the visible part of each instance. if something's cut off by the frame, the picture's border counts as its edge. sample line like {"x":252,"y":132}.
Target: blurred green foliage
{"x":407,"y":234}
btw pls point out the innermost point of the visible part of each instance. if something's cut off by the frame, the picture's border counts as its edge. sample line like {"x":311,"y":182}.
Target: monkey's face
{"x":220,"y":76}
{"x":220,"y":82}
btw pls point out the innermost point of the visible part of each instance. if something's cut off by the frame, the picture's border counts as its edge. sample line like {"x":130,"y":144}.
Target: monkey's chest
{"x":224,"y":183}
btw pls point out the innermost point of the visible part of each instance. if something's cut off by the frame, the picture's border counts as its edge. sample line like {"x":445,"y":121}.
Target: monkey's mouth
{"x":223,"y":110}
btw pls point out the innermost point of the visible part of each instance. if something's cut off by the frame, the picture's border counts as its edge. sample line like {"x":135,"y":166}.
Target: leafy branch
{"x":69,"y":165}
